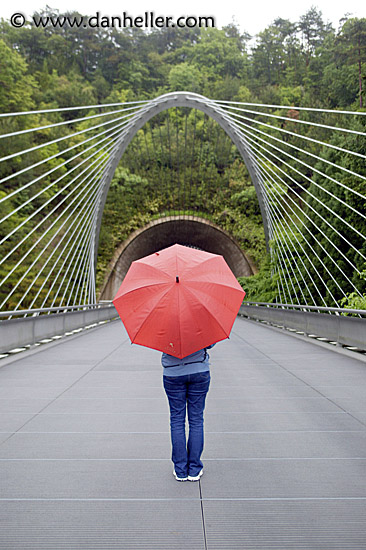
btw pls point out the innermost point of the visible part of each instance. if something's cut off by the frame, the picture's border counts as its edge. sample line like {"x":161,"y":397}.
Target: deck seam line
{"x":179,"y":499}
{"x":206,"y":432}
{"x":138,"y":459}
{"x":202,"y":515}
{"x":67,"y":389}
{"x":298,"y":378}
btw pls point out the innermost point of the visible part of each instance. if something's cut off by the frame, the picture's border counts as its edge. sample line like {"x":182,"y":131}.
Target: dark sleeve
{"x":212,"y":345}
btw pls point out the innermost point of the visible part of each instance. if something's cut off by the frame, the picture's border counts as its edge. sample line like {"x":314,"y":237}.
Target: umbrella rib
{"x":214,"y":258}
{"x":140,"y":287}
{"x":179,"y":326}
{"x":160,"y":270}
{"x":209,"y":312}
{"x":213,"y":283}
{"x":147,"y":317}
{"x":204,"y":262}
{"x":188,"y":281}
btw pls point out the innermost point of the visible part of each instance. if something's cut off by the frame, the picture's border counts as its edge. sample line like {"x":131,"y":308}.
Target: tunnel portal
{"x":164,"y":232}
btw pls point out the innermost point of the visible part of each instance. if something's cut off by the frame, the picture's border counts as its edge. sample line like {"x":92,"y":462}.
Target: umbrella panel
{"x":179,"y":300}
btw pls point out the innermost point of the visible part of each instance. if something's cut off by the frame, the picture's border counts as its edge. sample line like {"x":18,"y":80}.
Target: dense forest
{"x":303,"y":63}
{"x":306,"y":62}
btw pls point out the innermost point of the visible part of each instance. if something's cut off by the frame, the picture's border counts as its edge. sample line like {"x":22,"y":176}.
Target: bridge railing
{"x":330,"y":323}
{"x":21,"y":328}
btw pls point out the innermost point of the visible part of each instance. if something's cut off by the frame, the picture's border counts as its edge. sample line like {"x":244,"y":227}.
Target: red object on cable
{"x":179,"y":300}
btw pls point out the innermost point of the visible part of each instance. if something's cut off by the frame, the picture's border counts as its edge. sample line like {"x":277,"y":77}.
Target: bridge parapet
{"x":332,"y":324}
{"x":318,"y":322}
{"x":40,"y":324}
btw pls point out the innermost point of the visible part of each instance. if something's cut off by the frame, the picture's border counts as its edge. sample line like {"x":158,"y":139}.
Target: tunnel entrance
{"x":164,"y":232}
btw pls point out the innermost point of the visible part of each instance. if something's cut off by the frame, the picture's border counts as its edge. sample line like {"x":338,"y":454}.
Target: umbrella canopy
{"x":179,"y":300}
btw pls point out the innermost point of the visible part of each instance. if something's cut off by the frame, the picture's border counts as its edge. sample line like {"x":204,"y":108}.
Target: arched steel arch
{"x":162,"y":103}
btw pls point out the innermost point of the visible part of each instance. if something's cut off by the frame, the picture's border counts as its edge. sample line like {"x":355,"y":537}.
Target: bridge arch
{"x":161,"y":233}
{"x":162,"y":103}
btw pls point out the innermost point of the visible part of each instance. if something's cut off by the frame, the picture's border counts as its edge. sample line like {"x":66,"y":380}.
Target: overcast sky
{"x":252,"y":16}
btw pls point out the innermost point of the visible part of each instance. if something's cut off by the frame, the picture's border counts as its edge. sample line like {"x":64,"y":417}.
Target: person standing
{"x":186,"y":382}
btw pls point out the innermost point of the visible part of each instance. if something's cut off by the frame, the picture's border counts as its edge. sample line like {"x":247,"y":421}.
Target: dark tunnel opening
{"x":164,"y":232}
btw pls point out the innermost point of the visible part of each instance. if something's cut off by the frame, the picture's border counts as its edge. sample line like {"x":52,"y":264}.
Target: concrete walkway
{"x":85,"y":448}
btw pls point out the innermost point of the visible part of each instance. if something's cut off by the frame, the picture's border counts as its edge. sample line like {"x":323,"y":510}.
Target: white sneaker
{"x":195,"y":478}
{"x":179,"y":478}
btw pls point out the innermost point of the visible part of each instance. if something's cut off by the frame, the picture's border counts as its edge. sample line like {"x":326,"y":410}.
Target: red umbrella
{"x":179,"y":300}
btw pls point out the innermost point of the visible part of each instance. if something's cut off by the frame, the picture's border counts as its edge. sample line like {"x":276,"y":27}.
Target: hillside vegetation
{"x":303,"y":63}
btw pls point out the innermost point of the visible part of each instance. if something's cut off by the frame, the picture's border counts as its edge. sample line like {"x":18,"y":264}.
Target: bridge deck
{"x":85,"y":448}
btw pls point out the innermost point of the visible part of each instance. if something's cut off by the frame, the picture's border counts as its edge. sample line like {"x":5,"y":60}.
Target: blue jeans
{"x":187,"y":392}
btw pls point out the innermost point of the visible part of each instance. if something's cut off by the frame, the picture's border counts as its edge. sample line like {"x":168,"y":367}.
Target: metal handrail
{"x":59,"y":309}
{"x":305,"y":307}
{"x":24,"y":330}
{"x":107,"y":303}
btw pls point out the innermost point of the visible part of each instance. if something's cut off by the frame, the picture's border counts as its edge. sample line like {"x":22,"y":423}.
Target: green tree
{"x":184,"y":77}
{"x":351,"y":49}
{"x":16,"y":86}
{"x":313,"y":31}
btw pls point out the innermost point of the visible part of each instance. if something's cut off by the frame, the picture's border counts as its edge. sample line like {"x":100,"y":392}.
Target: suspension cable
{"x":84,"y":205}
{"x":332,"y":111}
{"x":304,"y":151}
{"x":60,"y":153}
{"x":315,"y":198}
{"x":63,"y":176}
{"x":79,"y":108}
{"x":56,"y":207}
{"x":277,"y":206}
{"x":41,"y":237}
{"x":297,"y":121}
{"x":318,"y":228}
{"x":299,"y":136}
{"x":277,"y":222}
{"x":65,"y":122}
